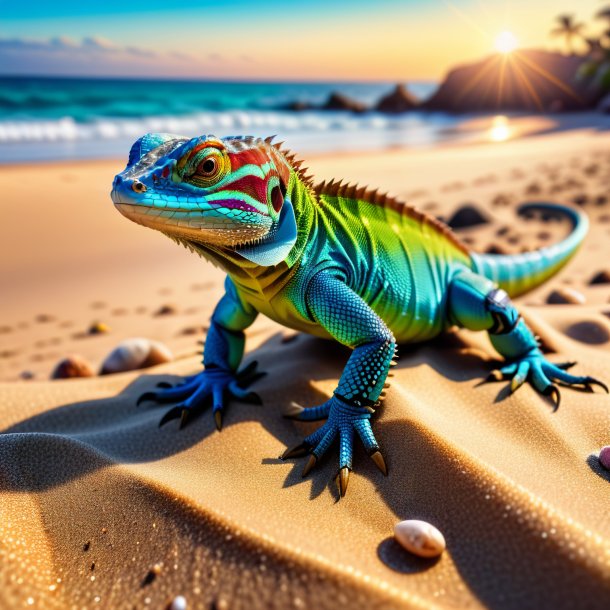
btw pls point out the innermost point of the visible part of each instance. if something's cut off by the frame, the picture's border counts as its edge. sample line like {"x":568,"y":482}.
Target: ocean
{"x":71,"y":118}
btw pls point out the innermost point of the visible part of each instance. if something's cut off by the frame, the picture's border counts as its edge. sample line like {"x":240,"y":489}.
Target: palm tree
{"x":569,"y":29}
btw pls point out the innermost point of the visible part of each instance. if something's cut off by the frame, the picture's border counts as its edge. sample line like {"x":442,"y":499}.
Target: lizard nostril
{"x":138,"y":186}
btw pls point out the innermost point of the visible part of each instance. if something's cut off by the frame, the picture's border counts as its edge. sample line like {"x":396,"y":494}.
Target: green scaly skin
{"x":335,"y":261}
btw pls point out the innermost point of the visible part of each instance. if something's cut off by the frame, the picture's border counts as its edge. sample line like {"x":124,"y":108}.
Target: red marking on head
{"x":277,"y":199}
{"x":165,"y":172}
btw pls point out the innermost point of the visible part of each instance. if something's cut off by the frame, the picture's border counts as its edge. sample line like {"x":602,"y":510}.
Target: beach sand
{"x":102,"y":509}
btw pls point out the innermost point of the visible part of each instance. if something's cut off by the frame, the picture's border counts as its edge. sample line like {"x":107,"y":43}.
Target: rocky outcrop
{"x":399,"y":100}
{"x":526,"y":80}
{"x":338,"y":101}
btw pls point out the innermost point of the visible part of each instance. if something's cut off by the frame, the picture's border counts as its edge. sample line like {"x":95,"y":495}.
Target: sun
{"x":506,"y":42}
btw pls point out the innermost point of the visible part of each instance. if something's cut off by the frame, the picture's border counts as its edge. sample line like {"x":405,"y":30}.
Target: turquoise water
{"x":50,"y":118}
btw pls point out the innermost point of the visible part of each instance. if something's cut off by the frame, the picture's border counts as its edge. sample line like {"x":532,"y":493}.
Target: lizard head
{"x":210,"y":192}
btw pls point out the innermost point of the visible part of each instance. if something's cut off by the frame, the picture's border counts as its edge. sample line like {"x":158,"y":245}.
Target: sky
{"x":384,"y":40}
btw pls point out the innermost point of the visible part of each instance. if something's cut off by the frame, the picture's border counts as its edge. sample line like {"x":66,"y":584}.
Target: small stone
{"x":27,"y":375}
{"x":166,"y":310}
{"x":71,"y":367}
{"x":467,"y":216}
{"x":604,"y":457}
{"x":98,"y":328}
{"x":566,"y":296}
{"x":420,"y":538}
{"x":133,"y":354}
{"x":602,"y":277}
{"x":178,"y":603}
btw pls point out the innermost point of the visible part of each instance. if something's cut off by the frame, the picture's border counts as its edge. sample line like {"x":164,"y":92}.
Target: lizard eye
{"x":208,"y":167}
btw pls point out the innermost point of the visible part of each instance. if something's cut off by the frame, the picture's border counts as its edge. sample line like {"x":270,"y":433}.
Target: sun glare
{"x":505,"y":42}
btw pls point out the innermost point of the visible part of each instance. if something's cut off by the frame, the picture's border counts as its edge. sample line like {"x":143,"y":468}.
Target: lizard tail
{"x":520,"y":273}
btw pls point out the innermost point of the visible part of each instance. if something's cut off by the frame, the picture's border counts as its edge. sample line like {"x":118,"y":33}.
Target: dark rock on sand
{"x":602,"y":277}
{"x":589,"y":331}
{"x":399,"y":100}
{"x":338,"y":101}
{"x":566,"y":296}
{"x":467,"y":216}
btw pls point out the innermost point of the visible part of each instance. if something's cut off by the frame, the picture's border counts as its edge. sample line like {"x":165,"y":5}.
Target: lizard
{"x":334,"y":260}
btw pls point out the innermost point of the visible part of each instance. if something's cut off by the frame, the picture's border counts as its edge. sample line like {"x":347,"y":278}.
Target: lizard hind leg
{"x":477,"y":304}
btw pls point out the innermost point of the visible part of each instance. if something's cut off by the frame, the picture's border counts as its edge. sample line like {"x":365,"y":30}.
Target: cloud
{"x":91,"y":56}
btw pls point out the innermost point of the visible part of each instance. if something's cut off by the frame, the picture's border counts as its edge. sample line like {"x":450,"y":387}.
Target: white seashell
{"x":134,"y":354}
{"x":420,"y":538}
{"x":178,"y":603}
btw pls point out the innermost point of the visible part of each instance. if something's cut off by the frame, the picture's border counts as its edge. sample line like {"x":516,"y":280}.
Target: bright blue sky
{"x":373,"y":39}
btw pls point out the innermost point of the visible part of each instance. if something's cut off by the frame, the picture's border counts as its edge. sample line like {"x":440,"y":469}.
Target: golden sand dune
{"x":101,"y":508}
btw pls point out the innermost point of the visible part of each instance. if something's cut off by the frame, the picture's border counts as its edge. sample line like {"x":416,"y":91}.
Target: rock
{"x":166,"y":310}
{"x":178,"y":603}
{"x":589,"y":331}
{"x":532,"y":80}
{"x":566,"y":296}
{"x":420,"y":538}
{"x":467,"y":216}
{"x":71,"y":367}
{"x":98,"y":328}
{"x":27,"y":375}
{"x":604,"y":104}
{"x":338,"y":101}
{"x":134,"y":354}
{"x":298,"y":106}
{"x":399,"y":100}
{"x":602,"y":277}
{"x":604,"y":457}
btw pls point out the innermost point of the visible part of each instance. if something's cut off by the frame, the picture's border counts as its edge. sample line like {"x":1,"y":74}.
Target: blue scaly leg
{"x":349,"y":320}
{"x":224,"y":349}
{"x":477,"y":304}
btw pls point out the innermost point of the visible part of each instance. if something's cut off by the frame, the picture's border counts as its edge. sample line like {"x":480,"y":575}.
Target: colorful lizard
{"x":333,"y":260}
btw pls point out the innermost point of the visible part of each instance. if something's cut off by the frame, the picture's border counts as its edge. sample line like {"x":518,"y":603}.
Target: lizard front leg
{"x":348,"y":319}
{"x":223,"y":352}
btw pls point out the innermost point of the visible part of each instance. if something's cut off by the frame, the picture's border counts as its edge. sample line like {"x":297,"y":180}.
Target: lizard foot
{"x":211,"y":385}
{"x":343,"y":419}
{"x":542,"y":374}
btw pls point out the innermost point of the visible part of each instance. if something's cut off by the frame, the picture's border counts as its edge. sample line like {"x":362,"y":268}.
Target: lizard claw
{"x":146,"y":396}
{"x":553,"y":392}
{"x":299,"y":451}
{"x":379,"y":462}
{"x":591,"y":381}
{"x":173,"y":413}
{"x":343,"y":477}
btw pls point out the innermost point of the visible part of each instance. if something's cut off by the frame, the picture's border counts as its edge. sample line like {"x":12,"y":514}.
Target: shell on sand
{"x":132,"y":354}
{"x":71,"y":367}
{"x":420,"y":538}
{"x":604,"y":457}
{"x":178,"y":603}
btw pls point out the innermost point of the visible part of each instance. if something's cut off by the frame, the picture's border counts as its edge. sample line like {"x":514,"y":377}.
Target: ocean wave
{"x":67,"y":129}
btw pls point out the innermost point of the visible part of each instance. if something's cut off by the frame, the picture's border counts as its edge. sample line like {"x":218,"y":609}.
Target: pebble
{"x":98,"y":328}
{"x":566,"y":296}
{"x":467,"y":216}
{"x":604,"y":457}
{"x":420,"y":538}
{"x":166,"y":310}
{"x":71,"y":367}
{"x":602,"y":277}
{"x":178,"y":603}
{"x":134,"y":354}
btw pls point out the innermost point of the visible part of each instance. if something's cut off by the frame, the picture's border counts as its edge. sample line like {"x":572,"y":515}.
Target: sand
{"x":102,"y":509}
